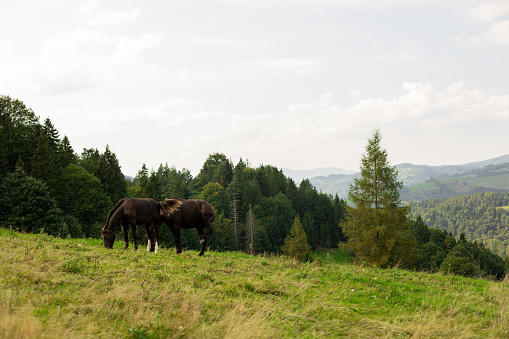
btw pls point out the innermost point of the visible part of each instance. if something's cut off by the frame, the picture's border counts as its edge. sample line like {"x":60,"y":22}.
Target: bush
{"x":459,"y":266}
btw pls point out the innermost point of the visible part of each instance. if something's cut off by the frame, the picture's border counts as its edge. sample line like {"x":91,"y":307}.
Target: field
{"x":51,"y":287}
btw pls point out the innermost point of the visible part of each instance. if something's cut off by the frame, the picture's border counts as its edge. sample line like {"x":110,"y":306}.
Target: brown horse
{"x":179,"y":213}
{"x":134,"y":211}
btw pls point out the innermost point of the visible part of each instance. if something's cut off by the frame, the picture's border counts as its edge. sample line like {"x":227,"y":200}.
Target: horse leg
{"x":133,"y":230}
{"x":207,"y":222}
{"x":125,"y":230}
{"x":175,"y":230}
{"x":156,"y":236}
{"x":203,"y":240}
{"x":148,"y":230}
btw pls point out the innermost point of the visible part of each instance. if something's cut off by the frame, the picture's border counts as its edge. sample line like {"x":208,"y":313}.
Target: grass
{"x":331,"y":256}
{"x":52,"y":287}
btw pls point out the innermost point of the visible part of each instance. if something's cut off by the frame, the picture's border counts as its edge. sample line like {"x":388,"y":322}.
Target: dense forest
{"x":46,"y":186}
{"x":483,"y":217}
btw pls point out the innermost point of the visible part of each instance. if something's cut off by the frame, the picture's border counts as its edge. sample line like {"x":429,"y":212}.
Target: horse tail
{"x":169,"y":206}
{"x":113,"y":210}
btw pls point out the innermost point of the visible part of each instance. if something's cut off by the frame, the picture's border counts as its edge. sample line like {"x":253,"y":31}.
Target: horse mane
{"x":113,"y":210}
{"x":171,"y":205}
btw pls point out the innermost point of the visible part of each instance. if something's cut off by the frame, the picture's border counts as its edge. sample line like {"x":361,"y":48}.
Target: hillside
{"x":415,"y":175}
{"x":483,"y":217}
{"x":298,"y":175}
{"x":491,"y":178}
{"x":53,"y":288}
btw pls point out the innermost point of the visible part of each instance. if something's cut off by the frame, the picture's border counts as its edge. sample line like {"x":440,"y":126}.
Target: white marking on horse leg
{"x":148,"y":246}
{"x":157,"y":247}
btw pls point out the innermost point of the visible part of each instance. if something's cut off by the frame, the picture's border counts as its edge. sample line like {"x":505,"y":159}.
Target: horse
{"x":180,"y":213}
{"x":134,"y":211}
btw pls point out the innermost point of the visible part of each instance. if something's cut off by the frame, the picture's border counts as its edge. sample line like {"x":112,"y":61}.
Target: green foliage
{"x":25,"y":204}
{"x":296,"y":244}
{"x":481,"y":217}
{"x":217,"y":196}
{"x":376,"y":222}
{"x":458,"y":265}
{"x":90,"y":205}
{"x":17,"y":128}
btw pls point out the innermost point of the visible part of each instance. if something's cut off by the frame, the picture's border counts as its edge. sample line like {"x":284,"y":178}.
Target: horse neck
{"x":114,"y":218}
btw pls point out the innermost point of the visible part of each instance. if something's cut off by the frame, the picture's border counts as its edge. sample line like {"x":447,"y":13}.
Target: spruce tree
{"x":296,"y":244}
{"x":376,"y":221}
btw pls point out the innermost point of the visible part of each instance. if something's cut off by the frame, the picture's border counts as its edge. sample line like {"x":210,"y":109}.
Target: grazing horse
{"x":134,"y":211}
{"x":179,"y":213}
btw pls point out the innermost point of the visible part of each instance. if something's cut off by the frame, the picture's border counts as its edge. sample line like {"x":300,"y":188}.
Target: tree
{"x":216,"y":196}
{"x":25,"y":204}
{"x":296,"y":244}
{"x":90,"y":205}
{"x":65,"y":153}
{"x":376,"y":221}
{"x":112,"y":180}
{"x":17,"y":125}
{"x":51,"y":134}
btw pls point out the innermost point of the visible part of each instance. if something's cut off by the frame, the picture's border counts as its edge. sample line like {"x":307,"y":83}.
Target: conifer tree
{"x":376,"y":221}
{"x":112,"y":180}
{"x":296,"y":244}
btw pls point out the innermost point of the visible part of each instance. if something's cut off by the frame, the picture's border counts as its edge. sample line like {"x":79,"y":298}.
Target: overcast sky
{"x":294,"y":84}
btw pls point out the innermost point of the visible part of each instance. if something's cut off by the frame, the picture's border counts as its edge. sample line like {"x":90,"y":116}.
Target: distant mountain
{"x":491,"y":178}
{"x":298,"y":175}
{"x":412,"y":175}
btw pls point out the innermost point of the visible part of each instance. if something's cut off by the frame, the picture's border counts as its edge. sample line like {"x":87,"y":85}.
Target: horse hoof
{"x":201,"y":254}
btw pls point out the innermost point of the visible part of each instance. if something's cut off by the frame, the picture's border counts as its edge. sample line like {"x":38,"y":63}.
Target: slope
{"x":51,"y":288}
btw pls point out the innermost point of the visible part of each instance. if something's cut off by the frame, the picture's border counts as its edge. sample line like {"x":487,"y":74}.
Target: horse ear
{"x":170,"y":206}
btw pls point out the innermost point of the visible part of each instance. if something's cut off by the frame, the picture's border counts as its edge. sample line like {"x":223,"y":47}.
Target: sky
{"x":293,"y":84}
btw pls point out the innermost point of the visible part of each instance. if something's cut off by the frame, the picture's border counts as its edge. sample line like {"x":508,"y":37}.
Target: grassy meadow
{"x":73,"y":288}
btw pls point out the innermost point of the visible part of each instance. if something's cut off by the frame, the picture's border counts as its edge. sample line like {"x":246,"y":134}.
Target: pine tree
{"x":296,"y":244}
{"x":51,"y":134}
{"x":376,"y":221}
{"x":65,"y":153}
{"x":112,"y":180}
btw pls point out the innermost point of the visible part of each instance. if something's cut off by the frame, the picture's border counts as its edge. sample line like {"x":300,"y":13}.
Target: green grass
{"x":331,"y":256}
{"x":425,"y":186}
{"x":52,"y":287}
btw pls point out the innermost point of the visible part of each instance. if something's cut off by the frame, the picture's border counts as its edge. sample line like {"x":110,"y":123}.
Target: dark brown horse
{"x":134,"y":211}
{"x":179,"y":213}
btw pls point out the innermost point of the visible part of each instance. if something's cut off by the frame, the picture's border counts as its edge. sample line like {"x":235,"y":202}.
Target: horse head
{"x":108,"y":238}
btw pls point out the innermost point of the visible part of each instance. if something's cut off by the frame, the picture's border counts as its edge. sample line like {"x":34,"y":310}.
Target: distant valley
{"x":421,"y":181}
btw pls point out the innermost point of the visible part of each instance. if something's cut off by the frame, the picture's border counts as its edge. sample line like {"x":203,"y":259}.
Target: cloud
{"x":497,"y":33}
{"x":319,"y":133}
{"x":91,"y":16}
{"x":114,"y":18}
{"x":298,"y":66}
{"x":489,"y":12}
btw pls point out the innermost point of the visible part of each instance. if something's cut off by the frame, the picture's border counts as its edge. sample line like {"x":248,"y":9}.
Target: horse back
{"x":193,"y":213}
{"x":143,"y":210}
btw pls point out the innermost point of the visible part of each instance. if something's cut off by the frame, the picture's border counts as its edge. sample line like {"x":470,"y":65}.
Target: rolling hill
{"x":423,"y":181}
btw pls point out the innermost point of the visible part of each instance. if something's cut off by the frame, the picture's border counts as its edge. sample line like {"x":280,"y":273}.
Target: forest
{"x":47,"y":187}
{"x":483,"y":217}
